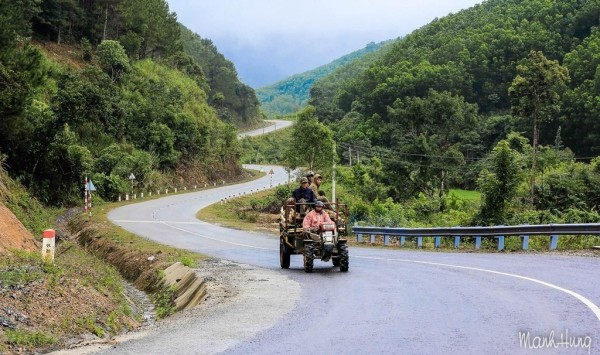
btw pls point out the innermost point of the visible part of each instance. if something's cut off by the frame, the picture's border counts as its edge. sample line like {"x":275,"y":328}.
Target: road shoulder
{"x":242,"y":301}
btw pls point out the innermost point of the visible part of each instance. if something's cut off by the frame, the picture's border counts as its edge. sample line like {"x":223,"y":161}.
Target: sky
{"x":270,"y":40}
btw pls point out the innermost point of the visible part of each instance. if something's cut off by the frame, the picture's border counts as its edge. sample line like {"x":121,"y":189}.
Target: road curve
{"x":391,"y":301}
{"x":276,"y":124}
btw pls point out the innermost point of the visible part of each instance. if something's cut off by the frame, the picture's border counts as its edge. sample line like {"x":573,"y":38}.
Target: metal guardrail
{"x":499,"y":232}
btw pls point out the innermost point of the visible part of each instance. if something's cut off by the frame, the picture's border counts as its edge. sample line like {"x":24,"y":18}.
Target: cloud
{"x":318,"y":30}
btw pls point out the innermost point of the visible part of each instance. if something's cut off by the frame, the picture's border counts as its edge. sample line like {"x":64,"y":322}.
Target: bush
{"x":113,"y":59}
{"x":20,"y":337}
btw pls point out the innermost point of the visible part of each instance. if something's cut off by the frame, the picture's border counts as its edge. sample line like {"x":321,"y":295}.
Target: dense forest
{"x":234,"y":101}
{"x":291,"y":94}
{"x":473,"y":56}
{"x":502,"y":98}
{"x":107,"y":88}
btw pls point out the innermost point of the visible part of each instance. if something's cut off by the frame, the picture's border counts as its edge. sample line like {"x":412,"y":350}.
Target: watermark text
{"x":552,"y":340}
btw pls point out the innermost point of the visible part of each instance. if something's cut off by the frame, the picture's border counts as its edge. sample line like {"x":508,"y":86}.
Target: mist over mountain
{"x":274,"y":59}
{"x":292,"y":93}
{"x":269,"y":41}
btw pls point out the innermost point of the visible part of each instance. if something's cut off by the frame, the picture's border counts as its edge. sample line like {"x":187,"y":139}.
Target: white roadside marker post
{"x":48,"y":245}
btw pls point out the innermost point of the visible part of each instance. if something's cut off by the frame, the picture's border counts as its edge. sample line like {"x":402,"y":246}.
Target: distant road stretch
{"x":275,"y":125}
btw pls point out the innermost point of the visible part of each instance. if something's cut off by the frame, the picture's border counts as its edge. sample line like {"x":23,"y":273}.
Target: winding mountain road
{"x":391,"y":301}
{"x":276,"y":125}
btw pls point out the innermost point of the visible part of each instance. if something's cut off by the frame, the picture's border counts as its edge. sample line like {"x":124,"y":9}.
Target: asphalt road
{"x":277,"y":124}
{"x":391,"y":301}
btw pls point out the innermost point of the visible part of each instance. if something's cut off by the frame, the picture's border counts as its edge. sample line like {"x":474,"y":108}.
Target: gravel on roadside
{"x":241,"y":301}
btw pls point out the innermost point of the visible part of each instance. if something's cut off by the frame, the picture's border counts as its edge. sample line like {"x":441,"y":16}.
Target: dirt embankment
{"x":37,"y":305}
{"x":150,"y":273}
{"x":13,"y":235}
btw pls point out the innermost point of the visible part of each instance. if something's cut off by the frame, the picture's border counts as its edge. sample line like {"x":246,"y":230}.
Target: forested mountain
{"x":104,"y":89}
{"x":289,"y":95}
{"x":235,"y":102}
{"x":440,"y":98}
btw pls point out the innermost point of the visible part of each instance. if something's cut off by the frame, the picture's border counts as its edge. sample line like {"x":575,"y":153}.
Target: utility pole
{"x":333,"y":176}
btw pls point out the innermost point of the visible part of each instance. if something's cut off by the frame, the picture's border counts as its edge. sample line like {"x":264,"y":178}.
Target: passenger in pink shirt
{"x":315,"y":218}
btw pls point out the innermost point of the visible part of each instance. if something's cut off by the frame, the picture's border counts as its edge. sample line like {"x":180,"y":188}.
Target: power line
{"x":369,"y":151}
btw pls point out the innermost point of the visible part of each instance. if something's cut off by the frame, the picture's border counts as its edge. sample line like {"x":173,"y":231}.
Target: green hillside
{"x":291,"y":94}
{"x":474,"y":55}
{"x":234,"y":101}
{"x":502,"y":97}
{"x":105,"y":89}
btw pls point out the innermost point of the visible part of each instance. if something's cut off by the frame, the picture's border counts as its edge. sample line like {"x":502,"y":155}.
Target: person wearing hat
{"x":316,"y":187}
{"x":310,"y":176}
{"x":314,"y":219}
{"x":316,"y":183}
{"x":302,"y":194}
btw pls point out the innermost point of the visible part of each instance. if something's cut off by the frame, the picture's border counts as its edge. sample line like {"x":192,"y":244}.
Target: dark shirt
{"x":304,"y":193}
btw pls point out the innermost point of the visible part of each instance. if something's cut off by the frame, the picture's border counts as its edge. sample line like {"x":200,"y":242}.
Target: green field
{"x":466,"y":194}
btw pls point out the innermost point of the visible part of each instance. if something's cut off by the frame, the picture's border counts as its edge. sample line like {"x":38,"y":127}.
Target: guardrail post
{"x":419,"y":242}
{"x":437,"y":241}
{"x":553,"y":242}
{"x":524,"y":242}
{"x":456,"y":242}
{"x":386,"y":240}
{"x":372,"y":238}
{"x":359,"y":238}
{"x":477,"y":242}
{"x":500,"y":242}
{"x":402,"y":240}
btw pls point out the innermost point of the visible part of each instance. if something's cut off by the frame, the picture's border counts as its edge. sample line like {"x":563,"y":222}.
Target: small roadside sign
{"x":90,"y":186}
{"x":271,"y":172}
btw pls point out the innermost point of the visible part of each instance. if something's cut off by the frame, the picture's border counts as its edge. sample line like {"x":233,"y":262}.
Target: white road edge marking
{"x":156,"y":222}
{"x":595,"y":309}
{"x":581,"y":298}
{"x":170,"y":224}
{"x":215,"y":239}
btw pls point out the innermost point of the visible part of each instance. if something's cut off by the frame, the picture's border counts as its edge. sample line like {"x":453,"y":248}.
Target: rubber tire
{"x":309,"y":258}
{"x":284,"y":255}
{"x":344,"y":258}
{"x":336,"y":261}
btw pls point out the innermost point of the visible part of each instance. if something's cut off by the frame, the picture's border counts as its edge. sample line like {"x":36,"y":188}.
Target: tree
{"x":161,"y":142}
{"x":66,"y":163}
{"x":498,"y":183}
{"x":312,"y":142}
{"x":535,"y":95}
{"x":432,"y":137}
{"x":15,"y":19}
{"x":113,"y":59}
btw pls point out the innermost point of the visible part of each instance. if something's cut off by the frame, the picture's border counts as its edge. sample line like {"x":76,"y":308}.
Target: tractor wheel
{"x":344,"y":258}
{"x":284,"y":255}
{"x":336,"y":261}
{"x":309,"y":257}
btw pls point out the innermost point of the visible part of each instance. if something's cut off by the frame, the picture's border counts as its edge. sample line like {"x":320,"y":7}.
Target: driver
{"x":315,"y":218}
